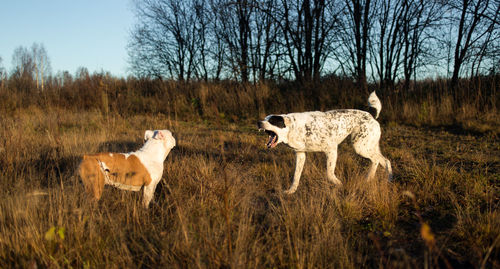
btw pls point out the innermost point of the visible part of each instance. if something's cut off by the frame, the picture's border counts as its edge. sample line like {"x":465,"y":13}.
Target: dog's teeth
{"x":268,"y":144}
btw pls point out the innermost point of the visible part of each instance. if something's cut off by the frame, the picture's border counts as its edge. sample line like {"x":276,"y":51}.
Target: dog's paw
{"x":335,"y":181}
{"x":290,"y":191}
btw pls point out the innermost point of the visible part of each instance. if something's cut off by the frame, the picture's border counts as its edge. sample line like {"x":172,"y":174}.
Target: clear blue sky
{"x":75,"y":33}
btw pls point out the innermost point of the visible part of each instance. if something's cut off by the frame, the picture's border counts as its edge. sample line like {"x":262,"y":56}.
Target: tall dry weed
{"x":221,"y":200}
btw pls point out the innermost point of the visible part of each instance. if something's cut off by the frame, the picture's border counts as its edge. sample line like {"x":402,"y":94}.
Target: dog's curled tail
{"x":374,"y":102}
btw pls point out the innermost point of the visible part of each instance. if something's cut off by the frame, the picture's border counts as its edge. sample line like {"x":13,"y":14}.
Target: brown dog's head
{"x":159,"y":137}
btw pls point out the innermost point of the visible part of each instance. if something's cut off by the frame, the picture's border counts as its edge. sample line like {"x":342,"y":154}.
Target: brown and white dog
{"x":128,"y":171}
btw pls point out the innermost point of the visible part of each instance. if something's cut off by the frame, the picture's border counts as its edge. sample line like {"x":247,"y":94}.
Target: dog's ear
{"x":148,"y":134}
{"x":277,"y":121}
{"x":160,"y":135}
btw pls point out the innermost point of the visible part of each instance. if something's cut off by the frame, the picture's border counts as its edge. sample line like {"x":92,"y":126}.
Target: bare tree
{"x":421,"y":24}
{"x":489,"y":48}
{"x":202,"y":18}
{"x":307,"y":31}
{"x":22,"y":69}
{"x":215,"y":49}
{"x":401,"y":37}
{"x":30,"y":65}
{"x":165,"y":40}
{"x":386,"y":41}
{"x":353,"y":37}
{"x":3,"y":74}
{"x":476,"y":23}
{"x":194,"y":38}
{"x":249,"y":32}
{"x":234,"y":28}
{"x":41,"y":64}
{"x":23,"y":63}
{"x":264,"y":49}
{"x":251,"y":40}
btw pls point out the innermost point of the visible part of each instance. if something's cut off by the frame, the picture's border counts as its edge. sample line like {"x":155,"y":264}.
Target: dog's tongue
{"x":272,"y":141}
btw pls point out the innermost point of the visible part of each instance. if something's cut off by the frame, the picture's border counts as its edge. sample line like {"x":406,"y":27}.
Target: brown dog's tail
{"x":91,"y":175}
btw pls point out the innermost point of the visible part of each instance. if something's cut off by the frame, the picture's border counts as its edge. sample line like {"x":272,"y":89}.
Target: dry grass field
{"x":221,"y":204}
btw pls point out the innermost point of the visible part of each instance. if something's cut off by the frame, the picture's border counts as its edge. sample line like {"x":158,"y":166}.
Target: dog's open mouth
{"x":273,"y":139}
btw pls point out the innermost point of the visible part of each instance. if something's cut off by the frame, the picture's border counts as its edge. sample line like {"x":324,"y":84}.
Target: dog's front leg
{"x":331,"y":160}
{"x":299,"y":165}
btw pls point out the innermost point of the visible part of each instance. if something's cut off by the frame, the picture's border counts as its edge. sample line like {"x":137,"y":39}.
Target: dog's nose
{"x":259,"y":125}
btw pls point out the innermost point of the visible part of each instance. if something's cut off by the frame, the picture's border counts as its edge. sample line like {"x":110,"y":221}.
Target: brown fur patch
{"x":127,"y":171}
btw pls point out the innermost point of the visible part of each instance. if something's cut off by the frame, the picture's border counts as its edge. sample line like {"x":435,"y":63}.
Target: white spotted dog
{"x":323,"y":131}
{"x":128,"y":171}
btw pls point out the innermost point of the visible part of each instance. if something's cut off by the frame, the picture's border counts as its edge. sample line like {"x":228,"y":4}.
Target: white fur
{"x":153,"y":156}
{"x":323,"y":131}
{"x":153,"y":153}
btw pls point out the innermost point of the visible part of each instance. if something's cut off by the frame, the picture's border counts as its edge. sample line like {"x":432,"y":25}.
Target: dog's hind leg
{"x":376,"y":158}
{"x":299,"y":166}
{"x":380,"y":159}
{"x":149,"y":192}
{"x":331,"y":160}
{"x":373,"y":168}
{"x":373,"y":154}
{"x":388,"y":168}
{"x":366,"y":144}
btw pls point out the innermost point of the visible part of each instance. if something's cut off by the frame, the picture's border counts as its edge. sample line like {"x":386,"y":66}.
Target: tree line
{"x":29,"y":65}
{"x":388,"y":42}
{"x":384,"y":41}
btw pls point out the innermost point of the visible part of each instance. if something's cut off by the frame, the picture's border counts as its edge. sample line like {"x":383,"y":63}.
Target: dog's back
{"x":120,"y":170}
{"x":320,"y":131}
